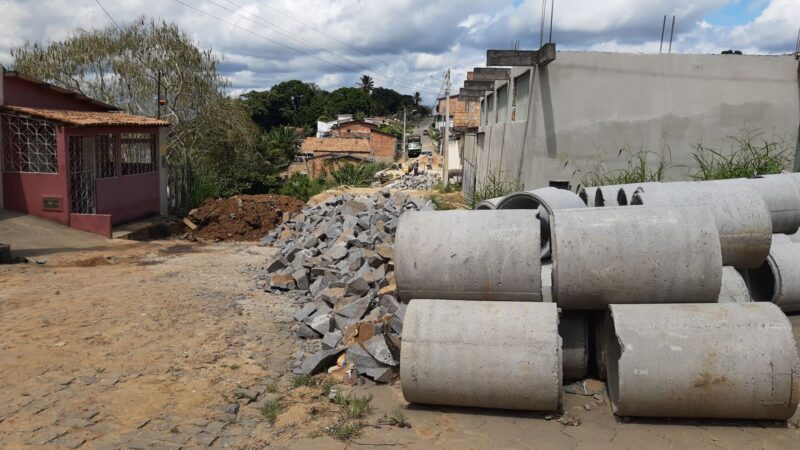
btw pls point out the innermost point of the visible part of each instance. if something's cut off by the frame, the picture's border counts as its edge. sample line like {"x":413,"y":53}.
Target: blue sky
{"x":407,"y":44}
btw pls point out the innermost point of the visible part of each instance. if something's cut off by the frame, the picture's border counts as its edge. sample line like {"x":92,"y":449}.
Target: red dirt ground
{"x":242,"y":217}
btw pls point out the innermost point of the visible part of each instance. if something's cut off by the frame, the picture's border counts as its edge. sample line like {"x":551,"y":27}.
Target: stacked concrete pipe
{"x":781,"y":194}
{"x":734,"y":287}
{"x":489,"y":204}
{"x":545,"y":200}
{"x":634,"y":255}
{"x":468,"y":255}
{"x":741,"y":215}
{"x":778,"y":279}
{"x":719,"y":361}
{"x":588,"y":195}
{"x":483,"y":354}
{"x":573,"y":326}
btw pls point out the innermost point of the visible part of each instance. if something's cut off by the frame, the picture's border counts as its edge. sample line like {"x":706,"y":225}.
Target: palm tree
{"x":366,"y":83}
{"x":417,"y":98}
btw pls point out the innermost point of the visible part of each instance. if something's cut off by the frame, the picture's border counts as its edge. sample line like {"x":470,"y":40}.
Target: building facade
{"x":464,"y":113}
{"x":77,"y":161}
{"x":358,"y":138}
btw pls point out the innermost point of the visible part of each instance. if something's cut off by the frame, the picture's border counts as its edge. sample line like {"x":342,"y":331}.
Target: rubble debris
{"x":240,"y":218}
{"x":336,"y":262}
{"x":422,"y":182}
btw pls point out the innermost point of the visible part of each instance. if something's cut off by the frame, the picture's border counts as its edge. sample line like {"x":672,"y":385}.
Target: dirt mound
{"x":241,"y":218}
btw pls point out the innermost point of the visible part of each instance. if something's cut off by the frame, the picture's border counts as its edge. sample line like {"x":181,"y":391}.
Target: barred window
{"x":138,"y":153}
{"x":105,"y":156}
{"x":28,"y":145}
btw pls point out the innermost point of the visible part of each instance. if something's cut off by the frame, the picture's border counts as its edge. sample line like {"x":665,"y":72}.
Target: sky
{"x":407,"y":45}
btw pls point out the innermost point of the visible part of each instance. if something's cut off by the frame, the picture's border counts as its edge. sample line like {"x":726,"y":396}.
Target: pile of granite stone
{"x":335,"y":259}
{"x":423,"y":182}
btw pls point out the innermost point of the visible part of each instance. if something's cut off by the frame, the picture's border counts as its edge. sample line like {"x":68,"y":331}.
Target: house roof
{"x":60,"y":90}
{"x":87,"y":118}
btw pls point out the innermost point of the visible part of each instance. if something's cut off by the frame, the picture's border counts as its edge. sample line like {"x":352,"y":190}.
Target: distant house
{"x":465,"y":115}
{"x":75,"y":160}
{"x":353,"y":137}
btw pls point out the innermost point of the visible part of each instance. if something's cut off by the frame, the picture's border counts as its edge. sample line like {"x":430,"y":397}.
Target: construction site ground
{"x":140,"y":345}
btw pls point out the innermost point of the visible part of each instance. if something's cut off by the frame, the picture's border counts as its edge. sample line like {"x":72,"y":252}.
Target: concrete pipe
{"x":741,"y":215}
{"x":546,"y":200}
{"x":734,"y":288}
{"x":588,"y":195}
{"x":598,"y":326}
{"x":482,"y":354}
{"x":635,"y":255}
{"x":782,"y":196}
{"x":626,"y":191}
{"x":778,"y":279}
{"x":547,"y":282}
{"x":781,"y":238}
{"x":607,"y":195}
{"x":573,"y":327}
{"x":468,"y":255}
{"x":714,"y":361}
{"x":489,"y":204}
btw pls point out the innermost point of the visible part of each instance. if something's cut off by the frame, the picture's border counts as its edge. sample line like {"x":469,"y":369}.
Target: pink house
{"x":75,"y":160}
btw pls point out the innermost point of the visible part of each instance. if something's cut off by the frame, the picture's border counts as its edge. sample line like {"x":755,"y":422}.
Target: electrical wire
{"x":107,"y":14}
{"x":290,"y":35}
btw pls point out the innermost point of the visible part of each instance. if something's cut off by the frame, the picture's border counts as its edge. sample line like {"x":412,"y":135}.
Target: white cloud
{"x":404,"y":42}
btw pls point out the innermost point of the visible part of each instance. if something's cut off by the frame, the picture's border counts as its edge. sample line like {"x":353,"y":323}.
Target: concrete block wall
{"x":585,"y":106}
{"x":335,"y":145}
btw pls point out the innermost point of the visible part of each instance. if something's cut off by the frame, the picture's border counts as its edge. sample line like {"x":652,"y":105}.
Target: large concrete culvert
{"x":545,"y":200}
{"x":482,"y":354}
{"x":778,"y":279}
{"x":488,"y":204}
{"x":468,"y":255}
{"x":713,"y":361}
{"x":634,"y":255}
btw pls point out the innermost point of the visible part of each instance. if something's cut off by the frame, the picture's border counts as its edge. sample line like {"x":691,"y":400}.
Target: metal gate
{"x":82,"y":188}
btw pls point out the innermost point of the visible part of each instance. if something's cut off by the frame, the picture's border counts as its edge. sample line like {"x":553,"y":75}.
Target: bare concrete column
{"x":635,"y":255}
{"x":482,"y":354}
{"x":741,"y":215}
{"x":734,"y":288}
{"x":163,"y":171}
{"x":573,"y":326}
{"x":545,"y":200}
{"x":720,"y":361}
{"x":778,"y":279}
{"x":468,"y":255}
{"x":489,"y":204}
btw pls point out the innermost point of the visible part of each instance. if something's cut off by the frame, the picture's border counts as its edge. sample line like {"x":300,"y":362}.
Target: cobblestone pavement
{"x":170,"y":345}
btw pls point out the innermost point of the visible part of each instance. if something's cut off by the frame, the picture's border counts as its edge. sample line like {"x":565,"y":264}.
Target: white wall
{"x":585,"y":106}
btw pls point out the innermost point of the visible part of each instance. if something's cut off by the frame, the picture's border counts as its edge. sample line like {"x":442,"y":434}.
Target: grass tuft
{"x":353,"y":406}
{"x":271,"y":410}
{"x":494,"y":185}
{"x":344,"y":430}
{"x":748,"y":154}
{"x":303,"y":380}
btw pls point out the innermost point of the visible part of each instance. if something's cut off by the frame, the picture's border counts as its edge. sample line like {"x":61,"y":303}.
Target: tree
{"x":291,"y":103}
{"x":348,"y":100}
{"x":366,"y":83}
{"x":213,"y":145}
{"x":417,"y":98}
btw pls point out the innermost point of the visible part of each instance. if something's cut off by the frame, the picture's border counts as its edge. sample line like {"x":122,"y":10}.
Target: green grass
{"x":397,"y":419}
{"x":344,"y":430}
{"x":303,"y":380}
{"x":641,"y":166}
{"x":353,"y":406}
{"x":747,"y":154}
{"x":494,"y":185}
{"x":271,"y":410}
{"x":272,"y":387}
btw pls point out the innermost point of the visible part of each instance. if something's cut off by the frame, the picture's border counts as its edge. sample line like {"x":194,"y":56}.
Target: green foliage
{"x":355,"y":175}
{"x":344,"y":430}
{"x":303,"y":187}
{"x":271,"y":409}
{"x":748,"y":154}
{"x":353,"y":406}
{"x":638,"y":169}
{"x":366,"y":83}
{"x":395,"y":129}
{"x":494,"y":185}
{"x":291,"y":103}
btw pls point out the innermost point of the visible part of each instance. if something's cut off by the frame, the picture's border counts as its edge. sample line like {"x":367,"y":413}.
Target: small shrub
{"x":271,"y":410}
{"x":303,"y":380}
{"x":354,"y":407}
{"x":272,"y":387}
{"x":638,"y":169}
{"x":748,"y":154}
{"x":302,"y":187}
{"x":344,"y":430}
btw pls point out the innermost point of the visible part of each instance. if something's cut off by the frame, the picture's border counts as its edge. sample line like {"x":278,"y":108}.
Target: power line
{"x":289,"y":34}
{"x":107,"y":14}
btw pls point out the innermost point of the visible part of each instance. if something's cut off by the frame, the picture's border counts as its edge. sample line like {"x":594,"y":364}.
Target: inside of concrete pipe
{"x":583,"y":196}
{"x":599,"y":201}
{"x":613,"y":352}
{"x":762,"y":282}
{"x":636,"y":200}
{"x":622,"y":197}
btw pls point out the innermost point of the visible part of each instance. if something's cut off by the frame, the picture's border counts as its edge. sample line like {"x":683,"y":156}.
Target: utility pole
{"x":403,"y":150}
{"x":446,"y":144}
{"x":158,"y":96}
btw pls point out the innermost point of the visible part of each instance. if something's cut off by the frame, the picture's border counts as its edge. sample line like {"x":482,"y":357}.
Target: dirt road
{"x":149,"y":346}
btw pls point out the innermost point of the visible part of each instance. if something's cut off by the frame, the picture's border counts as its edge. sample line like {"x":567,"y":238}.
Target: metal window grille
{"x":28,"y":145}
{"x":81,"y":176}
{"x":138,"y":153}
{"x":105,"y":156}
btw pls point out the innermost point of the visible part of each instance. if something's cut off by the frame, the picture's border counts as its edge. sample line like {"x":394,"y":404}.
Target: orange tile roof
{"x":87,"y":118}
